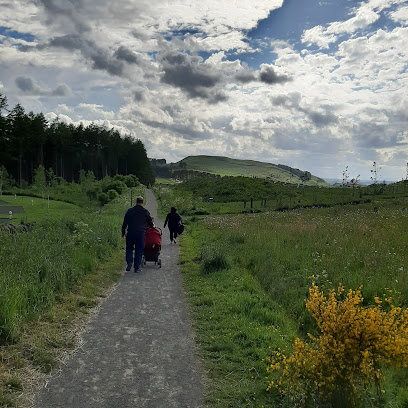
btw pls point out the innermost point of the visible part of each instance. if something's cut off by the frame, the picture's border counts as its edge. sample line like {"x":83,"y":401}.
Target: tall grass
{"x":37,"y":266}
{"x":287,"y":251}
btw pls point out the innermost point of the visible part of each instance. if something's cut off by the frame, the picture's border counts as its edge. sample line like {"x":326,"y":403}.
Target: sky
{"x":317,"y":85}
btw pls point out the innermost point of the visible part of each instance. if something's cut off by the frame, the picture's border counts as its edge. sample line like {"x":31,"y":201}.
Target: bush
{"x":347,"y":358}
{"x":103,"y":198}
{"x":112,"y":194}
{"x":130,"y":180}
{"x":116,"y":185}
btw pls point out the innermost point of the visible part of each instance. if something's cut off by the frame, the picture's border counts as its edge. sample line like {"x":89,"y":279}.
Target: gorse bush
{"x":355,"y":343}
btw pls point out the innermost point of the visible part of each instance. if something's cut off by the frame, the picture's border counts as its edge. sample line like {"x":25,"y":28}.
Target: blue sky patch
{"x":7,"y":32}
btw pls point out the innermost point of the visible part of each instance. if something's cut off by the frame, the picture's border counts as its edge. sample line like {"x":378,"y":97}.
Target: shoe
{"x":175,"y":242}
{"x":129,"y":267}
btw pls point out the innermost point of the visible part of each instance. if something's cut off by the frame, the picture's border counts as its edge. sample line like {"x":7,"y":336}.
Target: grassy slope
{"x":225,"y":166}
{"x":37,"y":209}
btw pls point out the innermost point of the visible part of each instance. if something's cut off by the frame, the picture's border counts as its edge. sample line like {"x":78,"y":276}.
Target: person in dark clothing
{"x":136,"y":220}
{"x":172,"y":219}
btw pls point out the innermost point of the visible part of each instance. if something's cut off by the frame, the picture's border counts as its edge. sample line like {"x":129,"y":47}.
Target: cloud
{"x":293,"y":101}
{"x":123,"y":53}
{"x":61,"y":90}
{"x":192,"y":75}
{"x":245,"y":76}
{"x":400,"y":15}
{"x":101,"y":59}
{"x":364,"y":16}
{"x":68,"y":12}
{"x":29,"y":87}
{"x":270,"y":77}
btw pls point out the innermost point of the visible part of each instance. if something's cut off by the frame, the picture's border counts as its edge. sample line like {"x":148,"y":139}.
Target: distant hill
{"x":224,"y":166}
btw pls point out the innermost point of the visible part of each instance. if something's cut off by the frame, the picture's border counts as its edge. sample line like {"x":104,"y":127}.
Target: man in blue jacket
{"x":136,"y":220}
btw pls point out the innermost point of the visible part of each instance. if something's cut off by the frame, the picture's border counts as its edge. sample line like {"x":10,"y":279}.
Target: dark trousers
{"x":173,"y":234}
{"x":135,"y":243}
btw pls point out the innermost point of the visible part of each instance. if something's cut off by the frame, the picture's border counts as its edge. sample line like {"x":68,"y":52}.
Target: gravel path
{"x":138,"y":349}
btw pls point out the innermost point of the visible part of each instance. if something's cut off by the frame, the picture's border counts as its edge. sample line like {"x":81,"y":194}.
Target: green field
{"x":35,"y":209}
{"x":225,"y":166}
{"x":248,"y":276}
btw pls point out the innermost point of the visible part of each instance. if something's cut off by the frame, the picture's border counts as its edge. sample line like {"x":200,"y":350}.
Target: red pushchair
{"x":152,"y":246}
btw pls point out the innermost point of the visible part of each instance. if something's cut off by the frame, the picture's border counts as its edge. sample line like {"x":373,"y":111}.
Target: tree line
{"x":28,"y":140}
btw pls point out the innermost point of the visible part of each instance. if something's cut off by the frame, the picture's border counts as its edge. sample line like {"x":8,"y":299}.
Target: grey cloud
{"x":61,"y":90}
{"x":69,"y":10}
{"x":218,"y":96}
{"x":29,"y":87}
{"x":292,"y":102}
{"x":123,"y":53}
{"x":245,"y":77}
{"x":100,"y":58}
{"x":269,"y":76}
{"x":374,"y":136}
{"x":322,"y":119}
{"x":184,"y":131}
{"x":139,"y":35}
{"x":69,"y":42}
{"x":138,"y":96}
{"x":190,"y":74}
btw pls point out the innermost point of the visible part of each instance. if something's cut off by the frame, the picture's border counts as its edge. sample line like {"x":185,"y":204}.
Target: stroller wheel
{"x":159,"y":262}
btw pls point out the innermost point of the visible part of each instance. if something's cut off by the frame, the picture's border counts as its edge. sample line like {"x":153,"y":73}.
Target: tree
{"x":19,"y":124}
{"x":40,"y":181}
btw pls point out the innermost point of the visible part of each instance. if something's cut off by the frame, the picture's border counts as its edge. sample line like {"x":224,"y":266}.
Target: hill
{"x":224,"y":166}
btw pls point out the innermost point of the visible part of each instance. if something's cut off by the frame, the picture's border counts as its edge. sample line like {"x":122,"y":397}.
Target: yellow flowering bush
{"x":354,"y":344}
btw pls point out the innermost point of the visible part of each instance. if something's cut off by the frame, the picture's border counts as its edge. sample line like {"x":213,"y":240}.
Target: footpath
{"x":138,"y":350}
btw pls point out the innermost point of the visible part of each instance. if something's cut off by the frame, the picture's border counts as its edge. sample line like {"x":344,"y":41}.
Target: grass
{"x":225,"y":166}
{"x":245,"y":195}
{"x":51,"y":277}
{"x":46,"y":340}
{"x":232,"y":319}
{"x":248,"y":275}
{"x":38,"y":209}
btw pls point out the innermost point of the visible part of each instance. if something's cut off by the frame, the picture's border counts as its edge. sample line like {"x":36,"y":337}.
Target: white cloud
{"x":342,"y":103}
{"x":364,"y":15}
{"x":400,"y":15}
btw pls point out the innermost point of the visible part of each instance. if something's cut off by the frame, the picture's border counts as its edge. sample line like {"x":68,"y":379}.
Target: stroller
{"x":152,"y":246}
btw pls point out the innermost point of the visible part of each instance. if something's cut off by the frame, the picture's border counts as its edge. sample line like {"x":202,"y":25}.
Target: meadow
{"x":234,"y":195}
{"x":248,"y":277}
{"x":36,"y":208}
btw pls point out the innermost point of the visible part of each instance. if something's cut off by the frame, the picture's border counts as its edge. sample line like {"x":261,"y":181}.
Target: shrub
{"x":112,"y":194}
{"x":103,"y":198}
{"x":116,"y":185}
{"x":347,"y":358}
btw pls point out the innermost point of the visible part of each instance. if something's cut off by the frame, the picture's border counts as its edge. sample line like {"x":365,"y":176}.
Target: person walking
{"x":172,"y":219}
{"x":136,"y":220}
